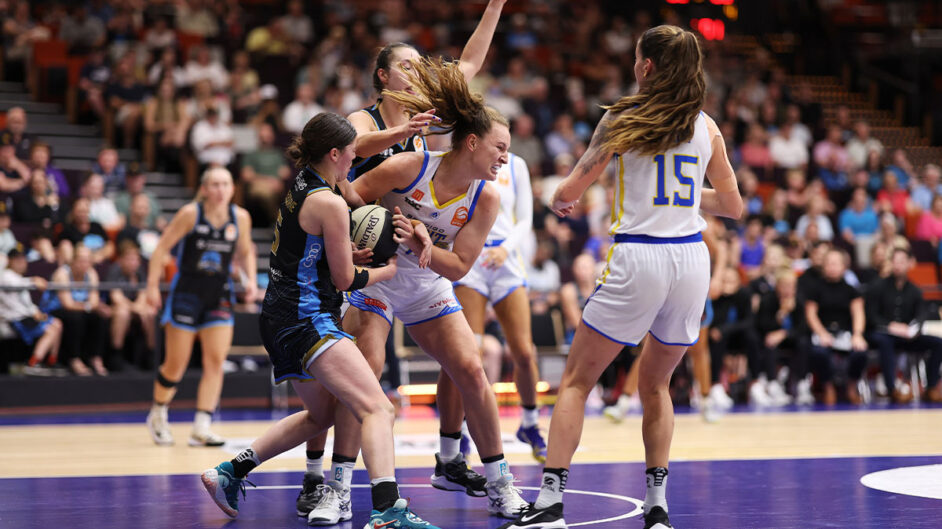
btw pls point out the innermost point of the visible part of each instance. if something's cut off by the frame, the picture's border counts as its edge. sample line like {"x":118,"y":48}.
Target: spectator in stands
{"x":733,"y":326}
{"x":749,"y":189}
{"x":297,"y":25}
{"x":82,"y":32}
{"x":101,"y":208}
{"x":125,"y":96}
{"x":778,"y":321}
{"x":160,"y":36}
{"x":203,"y":67}
{"x":562,"y":139}
{"x":264,"y":172}
{"x":203,"y":98}
{"x":876,"y":267}
{"x":830,"y":152}
{"x":112,"y":170}
{"x":269,"y":112}
{"x":876,"y":169}
{"x":777,"y":211}
{"x":903,"y":168}
{"x":816,"y":213}
{"x":892,"y":198}
{"x":93,"y":78}
{"x":34,"y":327}
{"x":7,"y":239}
{"x":81,"y":312}
{"x":889,"y":232}
{"x":834,"y":311}
{"x":39,"y":204}
{"x":197,"y":18}
{"x":526,"y":144}
{"x":129,"y":305}
{"x":166,"y":122}
{"x":752,"y":246}
{"x":799,"y":130}
{"x":244,"y":88}
{"x":138,"y":228}
{"x":787,"y":150}
{"x":755,"y":152}
{"x":19,"y":32}
{"x":859,"y":222}
{"x":136,"y":184}
{"x":212,"y":141}
{"x":543,"y":278}
{"x":82,"y":230}
{"x":16,"y":129}
{"x":895,"y":312}
{"x":860,"y":146}
{"x":929,"y":186}
{"x":40,"y":155}
{"x":574,"y":294}
{"x":168,"y":66}
{"x":121,"y":32}
{"x":301,"y":110}
{"x":14,"y":173}
{"x":270,"y":39}
{"x":41,"y":248}
{"x":930,"y":222}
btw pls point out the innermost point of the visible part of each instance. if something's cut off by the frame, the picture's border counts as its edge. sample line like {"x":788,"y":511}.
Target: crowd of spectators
{"x":214,"y":82}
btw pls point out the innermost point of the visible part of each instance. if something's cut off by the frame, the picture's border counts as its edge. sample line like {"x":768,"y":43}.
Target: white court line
{"x":631,"y":514}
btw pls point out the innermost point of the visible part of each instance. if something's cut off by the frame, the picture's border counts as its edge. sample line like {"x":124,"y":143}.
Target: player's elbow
{"x":732,"y":205}
{"x":342,"y":279}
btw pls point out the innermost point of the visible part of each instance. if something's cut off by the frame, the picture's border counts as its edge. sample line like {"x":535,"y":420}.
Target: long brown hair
{"x":662,"y":114}
{"x":442,"y":86}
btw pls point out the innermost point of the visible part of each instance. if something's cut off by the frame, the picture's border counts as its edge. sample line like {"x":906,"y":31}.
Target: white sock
{"x":495,"y":469}
{"x":551,"y":492}
{"x":316,"y":466}
{"x":342,"y":473}
{"x":448,"y":447}
{"x":201,"y":421}
{"x":624,"y":402}
{"x":530,"y":417}
{"x":656,"y":494}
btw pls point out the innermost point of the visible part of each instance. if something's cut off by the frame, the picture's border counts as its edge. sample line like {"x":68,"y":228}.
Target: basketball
{"x":372,"y":227}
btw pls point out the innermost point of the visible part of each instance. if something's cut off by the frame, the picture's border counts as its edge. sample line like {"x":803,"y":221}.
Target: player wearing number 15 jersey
{"x":658,"y":269}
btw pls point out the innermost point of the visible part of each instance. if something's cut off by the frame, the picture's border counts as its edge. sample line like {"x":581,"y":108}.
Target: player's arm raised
{"x":454,"y":264}
{"x":370,"y":141}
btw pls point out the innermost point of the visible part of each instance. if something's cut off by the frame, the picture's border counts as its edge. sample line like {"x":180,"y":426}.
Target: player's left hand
{"x":562,"y":208}
{"x":251,"y":291}
{"x":495,"y":257}
{"x":361,"y":257}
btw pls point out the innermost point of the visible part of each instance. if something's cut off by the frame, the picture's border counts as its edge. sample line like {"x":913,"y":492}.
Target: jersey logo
{"x":300,"y":184}
{"x":419,"y":144}
{"x":413,"y":203}
{"x":290,"y":203}
{"x":461,"y":216}
{"x":230,"y":233}
{"x":434,"y":214}
{"x":202,"y":229}
{"x":417,"y":194}
{"x":373,"y":302}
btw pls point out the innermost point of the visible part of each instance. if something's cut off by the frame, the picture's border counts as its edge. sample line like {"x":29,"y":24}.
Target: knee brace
{"x":163,"y":381}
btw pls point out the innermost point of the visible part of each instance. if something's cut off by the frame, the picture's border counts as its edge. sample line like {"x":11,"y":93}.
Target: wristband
{"x":360,"y":278}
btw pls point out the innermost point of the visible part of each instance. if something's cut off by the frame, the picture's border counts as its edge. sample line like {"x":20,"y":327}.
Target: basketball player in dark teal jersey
{"x":210,"y":234}
{"x":311,"y":256}
{"x":384,"y":129}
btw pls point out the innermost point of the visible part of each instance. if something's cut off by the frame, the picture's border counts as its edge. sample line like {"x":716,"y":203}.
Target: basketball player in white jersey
{"x":658,"y":270}
{"x":447,"y":194}
{"x":499,"y":277}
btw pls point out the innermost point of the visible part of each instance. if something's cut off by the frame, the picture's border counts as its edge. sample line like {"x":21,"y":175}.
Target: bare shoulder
{"x":362,"y":121}
{"x":242,"y":215}
{"x":712,"y":127}
{"x":489,"y":199}
{"x":187,"y":212}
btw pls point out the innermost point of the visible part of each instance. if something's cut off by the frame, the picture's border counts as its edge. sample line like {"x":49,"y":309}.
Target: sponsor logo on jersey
{"x":413,"y":203}
{"x":202,"y":229}
{"x":434,"y":215}
{"x":418,"y":143}
{"x":299,"y":182}
{"x":447,"y":302}
{"x":230,"y":232}
{"x":290,"y":204}
{"x":418,"y":194}
{"x":312,"y":252}
{"x":461,"y":216}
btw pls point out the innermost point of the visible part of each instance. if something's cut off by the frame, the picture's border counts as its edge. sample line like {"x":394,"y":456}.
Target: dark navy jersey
{"x":362,"y":165}
{"x":299,"y":285}
{"x":204,"y":256}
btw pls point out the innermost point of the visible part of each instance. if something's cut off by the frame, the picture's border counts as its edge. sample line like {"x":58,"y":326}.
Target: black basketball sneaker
{"x":456,"y":475}
{"x":532,"y":518}
{"x":656,"y":518}
{"x":310,"y":494}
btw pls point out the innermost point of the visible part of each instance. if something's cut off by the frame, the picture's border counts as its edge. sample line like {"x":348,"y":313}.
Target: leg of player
{"x":474,"y":306}
{"x":449,"y":340}
{"x":179,"y":345}
{"x":215,"y":341}
{"x":513,"y":313}
{"x":312,"y":486}
{"x":589,"y":355}
{"x":370,"y":330}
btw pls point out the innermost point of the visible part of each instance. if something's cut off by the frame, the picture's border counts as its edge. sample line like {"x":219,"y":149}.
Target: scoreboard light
{"x":711,"y":29}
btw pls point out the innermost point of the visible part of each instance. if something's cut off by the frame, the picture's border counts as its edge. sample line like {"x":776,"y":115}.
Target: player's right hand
{"x":153,"y":296}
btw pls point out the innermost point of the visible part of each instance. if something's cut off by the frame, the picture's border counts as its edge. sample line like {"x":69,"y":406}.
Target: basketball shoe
{"x":224,"y":487}
{"x":532,"y":518}
{"x":310,"y":494}
{"x":503,"y":499}
{"x":205,"y":438}
{"x":334,"y":505}
{"x":159,"y":426}
{"x":399,"y":516}
{"x":656,"y":518}
{"x":456,"y":475}
{"x":532,"y":437}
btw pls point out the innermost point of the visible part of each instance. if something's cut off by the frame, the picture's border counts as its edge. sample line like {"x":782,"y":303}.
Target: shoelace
{"x":241,"y":483}
{"x":325,"y":495}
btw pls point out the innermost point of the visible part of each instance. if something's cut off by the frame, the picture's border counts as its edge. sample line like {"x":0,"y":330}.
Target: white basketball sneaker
{"x":721,"y":398}
{"x":503,"y":499}
{"x":334,"y":505}
{"x":159,"y":426}
{"x":803,"y":395}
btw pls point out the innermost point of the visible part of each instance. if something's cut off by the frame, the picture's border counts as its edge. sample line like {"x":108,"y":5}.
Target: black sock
{"x":531,"y":408}
{"x":456,"y":435}
{"x":384,"y":495}
{"x":314,"y":454}
{"x":243,"y":463}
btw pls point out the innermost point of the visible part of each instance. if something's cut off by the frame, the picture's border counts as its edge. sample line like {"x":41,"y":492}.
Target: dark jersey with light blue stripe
{"x":299,"y":285}
{"x":362,"y":165}
{"x":204,"y":256}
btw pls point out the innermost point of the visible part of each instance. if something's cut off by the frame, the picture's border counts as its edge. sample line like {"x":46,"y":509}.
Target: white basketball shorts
{"x":495,"y":284}
{"x":410,"y":298}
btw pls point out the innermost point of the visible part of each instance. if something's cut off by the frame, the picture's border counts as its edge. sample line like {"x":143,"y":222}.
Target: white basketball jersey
{"x":443,"y":220}
{"x":510,"y":181}
{"x":659,"y":195}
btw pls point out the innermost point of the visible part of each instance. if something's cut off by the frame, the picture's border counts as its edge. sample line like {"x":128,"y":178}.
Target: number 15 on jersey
{"x":679,"y":199}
